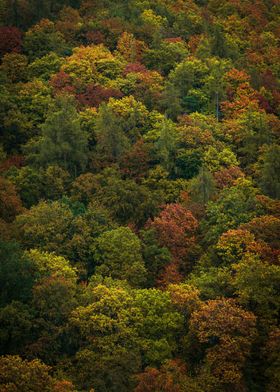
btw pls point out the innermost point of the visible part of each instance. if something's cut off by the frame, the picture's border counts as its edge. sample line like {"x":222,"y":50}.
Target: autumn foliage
{"x":139,"y":196}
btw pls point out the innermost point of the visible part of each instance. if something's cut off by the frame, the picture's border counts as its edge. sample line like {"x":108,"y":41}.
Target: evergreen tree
{"x":111,"y":140}
{"x":203,"y":186}
{"x":63,"y":142}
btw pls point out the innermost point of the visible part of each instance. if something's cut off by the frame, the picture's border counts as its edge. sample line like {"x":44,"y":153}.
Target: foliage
{"x":63,"y":142}
{"x":139,"y":195}
{"x":117,"y":253}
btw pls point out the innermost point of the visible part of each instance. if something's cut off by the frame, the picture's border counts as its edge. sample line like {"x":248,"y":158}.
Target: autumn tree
{"x":226,"y":332}
{"x":171,"y":377}
{"x":11,"y":39}
{"x":10,"y":203}
{"x":175,"y":227}
{"x":17,"y":374}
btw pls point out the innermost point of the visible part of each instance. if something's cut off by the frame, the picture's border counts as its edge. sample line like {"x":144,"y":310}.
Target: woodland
{"x":139,"y":196}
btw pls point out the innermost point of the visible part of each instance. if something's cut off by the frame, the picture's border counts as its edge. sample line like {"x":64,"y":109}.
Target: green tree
{"x":235,"y":205}
{"x":48,"y":264}
{"x":256,"y":283}
{"x":128,"y":201}
{"x":42,"y":38}
{"x":118,"y":254}
{"x":158,"y":325}
{"x":202,"y":187}
{"x":122,"y":331}
{"x":17,"y":374}
{"x":57,"y":227}
{"x":16,"y":322}
{"x":63,"y":142}
{"x":111,"y":141}
{"x":171,"y":101}
{"x":269,"y":177}
{"x":52,"y":302}
{"x":45,"y":66}
{"x":110,"y":353}
{"x":155,"y":256}
{"x":16,"y":274}
{"x":166,"y":145}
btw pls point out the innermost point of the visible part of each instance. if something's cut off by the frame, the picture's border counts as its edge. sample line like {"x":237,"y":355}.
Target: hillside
{"x":139,"y":196}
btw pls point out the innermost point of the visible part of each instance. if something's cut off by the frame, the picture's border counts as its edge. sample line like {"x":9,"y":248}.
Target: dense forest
{"x":139,"y":196}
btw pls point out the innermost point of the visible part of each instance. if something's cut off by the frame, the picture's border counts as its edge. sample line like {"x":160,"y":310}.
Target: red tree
{"x":94,"y":95}
{"x":175,"y":227}
{"x":11,"y":40}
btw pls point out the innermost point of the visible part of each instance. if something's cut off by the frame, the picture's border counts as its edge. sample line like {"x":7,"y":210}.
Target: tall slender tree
{"x":63,"y":142}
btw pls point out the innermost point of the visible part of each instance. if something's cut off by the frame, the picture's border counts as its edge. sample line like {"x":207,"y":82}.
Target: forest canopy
{"x":139,"y":196}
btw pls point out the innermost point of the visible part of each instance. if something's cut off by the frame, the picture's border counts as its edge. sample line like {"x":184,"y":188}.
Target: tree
{"x":133,"y":116}
{"x":271,"y":357}
{"x":17,"y":374}
{"x":16,"y":274}
{"x":235,"y":205}
{"x":110,"y":353}
{"x":128,"y":201}
{"x":256,"y":283}
{"x":165,"y":57}
{"x":46,"y":66}
{"x":171,"y":377}
{"x":29,"y":183}
{"x":171,"y":101}
{"x":265,"y":228}
{"x":54,"y":297}
{"x":84,"y":188}
{"x":226,"y":177}
{"x":166,"y":145}
{"x":42,"y":39}
{"x":226,"y":332}
{"x":56,"y":227}
{"x":69,"y":23}
{"x":188,"y":75}
{"x":63,"y":142}
{"x":48,"y":264}
{"x":269,"y":178}
{"x":92,"y":64}
{"x":135,"y":162}
{"x":202,"y":187}
{"x":117,"y":254}
{"x":45,"y":226}
{"x":233,"y":245}
{"x":11,"y":39}
{"x":16,"y":322}
{"x":215,"y":160}
{"x":185,"y":297}
{"x":95,"y":94}
{"x":175,"y":227}
{"x":155,"y":256}
{"x":130,"y":48}
{"x":122,"y":329}
{"x":14,"y":66}
{"x":158,"y":324}
{"x":111,"y":140}
{"x":10,"y":203}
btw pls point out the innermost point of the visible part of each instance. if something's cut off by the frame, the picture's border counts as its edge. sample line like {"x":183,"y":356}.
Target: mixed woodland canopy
{"x":139,"y":196}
